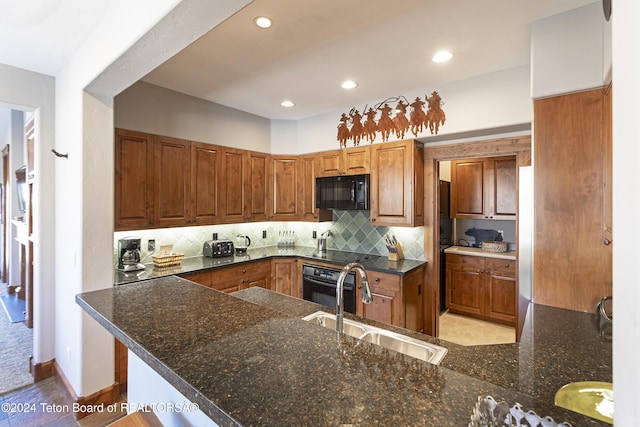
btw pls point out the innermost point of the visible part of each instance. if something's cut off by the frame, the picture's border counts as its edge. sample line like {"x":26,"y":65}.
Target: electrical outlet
{"x":315,"y":234}
{"x":151,"y":246}
{"x":264,"y":234}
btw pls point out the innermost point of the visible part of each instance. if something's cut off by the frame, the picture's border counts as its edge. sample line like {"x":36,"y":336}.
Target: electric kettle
{"x":242,"y":243}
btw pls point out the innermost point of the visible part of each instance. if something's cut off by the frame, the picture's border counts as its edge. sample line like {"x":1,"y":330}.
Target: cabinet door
{"x":392,"y":186}
{"x":412,"y":293}
{"x":201,"y":277}
{"x":232,"y":192}
{"x":133,"y":180}
{"x":308,"y":205}
{"x":501,"y":295}
{"x":285,"y":177}
{"x":172,"y":179}
{"x":257,"y":187}
{"x":205,"y":168}
{"x":504,"y":188}
{"x":464,"y":284}
{"x":284,"y":277}
{"x":356,"y":160}
{"x":387,"y":305}
{"x":468,"y":189}
{"x":329,"y":163}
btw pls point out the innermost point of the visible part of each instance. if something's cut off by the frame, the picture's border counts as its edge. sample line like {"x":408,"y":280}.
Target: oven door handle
{"x":329,"y":285}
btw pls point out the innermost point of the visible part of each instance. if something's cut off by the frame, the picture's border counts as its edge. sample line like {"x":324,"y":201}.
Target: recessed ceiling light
{"x":349,"y":84}
{"x":442,"y":56}
{"x":263,"y":22}
{"x":286,"y":103}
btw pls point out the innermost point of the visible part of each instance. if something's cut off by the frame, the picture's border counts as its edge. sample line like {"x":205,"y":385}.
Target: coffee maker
{"x":129,"y":254}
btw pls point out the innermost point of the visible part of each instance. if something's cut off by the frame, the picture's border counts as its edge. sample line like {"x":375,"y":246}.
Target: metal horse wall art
{"x":356,"y":126}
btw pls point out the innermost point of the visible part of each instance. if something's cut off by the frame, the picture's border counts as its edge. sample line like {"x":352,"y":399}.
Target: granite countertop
{"x":253,"y":361}
{"x":467,"y":250}
{"x":339,"y":258}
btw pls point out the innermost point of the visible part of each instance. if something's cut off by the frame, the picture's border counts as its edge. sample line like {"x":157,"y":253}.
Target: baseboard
{"x":107,"y":396}
{"x":41,"y":371}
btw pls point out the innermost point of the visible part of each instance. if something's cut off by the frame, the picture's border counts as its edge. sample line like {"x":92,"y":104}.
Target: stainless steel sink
{"x":390,"y":340}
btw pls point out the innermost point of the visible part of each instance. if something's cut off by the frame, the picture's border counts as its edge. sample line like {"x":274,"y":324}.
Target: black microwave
{"x":343,"y":192}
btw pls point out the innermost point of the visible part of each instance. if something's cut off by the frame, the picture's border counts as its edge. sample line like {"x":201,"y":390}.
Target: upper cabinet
{"x":244,"y":195}
{"x":287,"y":188}
{"x":133,"y":188}
{"x":172,"y":181}
{"x":349,"y":161}
{"x":484,"y":188}
{"x":397,"y":184}
{"x":205,"y":174}
{"x":308,"y":203}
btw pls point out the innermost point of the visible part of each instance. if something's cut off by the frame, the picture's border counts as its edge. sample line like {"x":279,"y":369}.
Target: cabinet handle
{"x":606,"y":242}
{"x":420,"y":289}
{"x":244,"y":271}
{"x":507,"y":265}
{"x":480,"y":270}
{"x":373,"y":220}
{"x":377,"y":279}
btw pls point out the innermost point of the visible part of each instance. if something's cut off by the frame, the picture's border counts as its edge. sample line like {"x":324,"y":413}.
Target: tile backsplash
{"x":351,"y":231}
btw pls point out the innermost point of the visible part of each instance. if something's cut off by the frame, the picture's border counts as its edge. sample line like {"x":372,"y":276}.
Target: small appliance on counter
{"x":217,"y":248}
{"x":242,"y":243}
{"x":129,"y":254}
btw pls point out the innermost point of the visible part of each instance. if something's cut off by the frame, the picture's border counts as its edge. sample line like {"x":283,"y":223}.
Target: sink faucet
{"x":366,"y":291}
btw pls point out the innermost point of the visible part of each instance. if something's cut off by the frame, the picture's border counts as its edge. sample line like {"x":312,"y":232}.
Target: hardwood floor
{"x":468,"y":331}
{"x":46,"y":403}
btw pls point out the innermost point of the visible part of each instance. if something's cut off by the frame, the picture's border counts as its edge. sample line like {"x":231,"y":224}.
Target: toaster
{"x":217,"y":248}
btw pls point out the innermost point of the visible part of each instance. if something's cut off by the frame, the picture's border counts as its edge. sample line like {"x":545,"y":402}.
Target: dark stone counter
{"x":248,"y":359}
{"x":339,"y":258}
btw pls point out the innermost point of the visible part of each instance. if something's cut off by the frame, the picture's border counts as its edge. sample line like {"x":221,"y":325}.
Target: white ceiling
{"x":385,"y":45}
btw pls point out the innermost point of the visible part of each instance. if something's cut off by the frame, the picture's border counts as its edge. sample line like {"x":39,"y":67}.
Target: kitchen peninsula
{"x":249,"y":359}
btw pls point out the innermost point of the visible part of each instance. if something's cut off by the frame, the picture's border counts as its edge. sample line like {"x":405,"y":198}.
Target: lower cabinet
{"x":234,"y":278}
{"x":397,"y":300}
{"x":285,"y":277}
{"x":481,"y":287}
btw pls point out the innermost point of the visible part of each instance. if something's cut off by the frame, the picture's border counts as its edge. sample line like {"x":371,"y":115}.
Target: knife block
{"x":398,"y":255}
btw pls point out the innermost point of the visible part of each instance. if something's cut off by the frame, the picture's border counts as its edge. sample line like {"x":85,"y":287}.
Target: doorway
{"x":520,"y":147}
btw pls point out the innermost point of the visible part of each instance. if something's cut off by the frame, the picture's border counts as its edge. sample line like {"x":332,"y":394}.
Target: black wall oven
{"x":319,"y":285}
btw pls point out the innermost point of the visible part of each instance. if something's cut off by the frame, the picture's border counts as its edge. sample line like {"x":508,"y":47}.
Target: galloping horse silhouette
{"x":343,"y":130}
{"x":400,"y":120}
{"x":370,"y":126}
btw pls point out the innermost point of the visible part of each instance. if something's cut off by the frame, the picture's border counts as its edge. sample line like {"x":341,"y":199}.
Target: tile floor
{"x":46,"y":404}
{"x":468,"y":331}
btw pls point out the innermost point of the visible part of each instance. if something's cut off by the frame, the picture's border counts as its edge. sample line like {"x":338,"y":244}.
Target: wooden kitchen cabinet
{"x":348,"y":161}
{"x":285,"y":277}
{"x":133,"y":189}
{"x":205,"y":175}
{"x":397,"y":300}
{"x":286,"y":184}
{"x":308,"y":205}
{"x":484,"y":188}
{"x":481,"y":287}
{"x":244,"y":195}
{"x":172,"y":181}
{"x":397,"y":184}
{"x":235,"y":277}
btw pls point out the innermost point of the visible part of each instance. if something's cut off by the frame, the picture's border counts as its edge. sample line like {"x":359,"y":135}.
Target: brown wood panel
{"x":412,"y":292}
{"x":257,"y":187}
{"x":232,"y":194}
{"x":285,"y":278}
{"x":356,"y":160}
{"x":572,"y":265}
{"x":172,"y":179}
{"x":133,"y":190}
{"x":286,"y":184}
{"x":468,"y":188}
{"x":308,"y":204}
{"x":329,"y":163}
{"x":501,"y":293}
{"x":205,"y":172}
{"x":505,"y":190}
{"x":200,"y":277}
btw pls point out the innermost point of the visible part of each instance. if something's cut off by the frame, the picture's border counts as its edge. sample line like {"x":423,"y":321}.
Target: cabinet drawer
{"x":382,"y":281}
{"x":465,"y":261}
{"x":502,"y":267}
{"x":240,"y":272}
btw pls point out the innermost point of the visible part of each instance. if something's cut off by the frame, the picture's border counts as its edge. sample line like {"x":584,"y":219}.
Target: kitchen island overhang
{"x":245,"y":364}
